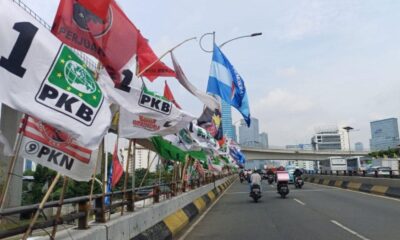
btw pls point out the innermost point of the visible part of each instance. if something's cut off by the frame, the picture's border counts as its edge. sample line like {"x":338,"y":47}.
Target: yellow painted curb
{"x":379,"y":189}
{"x":338,"y":183}
{"x":326,"y":182}
{"x":354,"y":185}
{"x":211,"y":195}
{"x":200,"y":204}
{"x":176,"y":221}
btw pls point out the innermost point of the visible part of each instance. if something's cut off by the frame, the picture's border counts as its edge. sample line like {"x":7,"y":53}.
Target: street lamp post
{"x":224,"y":43}
{"x":348,"y":129}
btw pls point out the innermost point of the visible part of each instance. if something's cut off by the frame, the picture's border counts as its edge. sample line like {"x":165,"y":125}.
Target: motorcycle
{"x":298,"y":183}
{"x":241,"y":178}
{"x":255,"y":192}
{"x":270,"y":179}
{"x":283,"y":189}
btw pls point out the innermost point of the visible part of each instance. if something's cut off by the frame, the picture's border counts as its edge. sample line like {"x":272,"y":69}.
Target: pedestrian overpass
{"x":288,"y":154}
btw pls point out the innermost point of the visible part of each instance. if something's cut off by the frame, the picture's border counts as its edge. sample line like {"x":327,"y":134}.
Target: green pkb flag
{"x":171,"y":152}
{"x":71,"y":74}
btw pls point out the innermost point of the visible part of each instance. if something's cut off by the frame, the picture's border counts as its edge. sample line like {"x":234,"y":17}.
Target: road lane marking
{"x":297,"y":200}
{"x":183,"y":237}
{"x":349,"y":230}
{"x":294,"y":190}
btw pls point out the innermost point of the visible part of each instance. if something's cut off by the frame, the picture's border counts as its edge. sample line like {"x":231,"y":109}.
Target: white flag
{"x":42,"y":77}
{"x":56,"y":150}
{"x":143,"y":113}
{"x":7,"y":151}
{"x":207,"y":99}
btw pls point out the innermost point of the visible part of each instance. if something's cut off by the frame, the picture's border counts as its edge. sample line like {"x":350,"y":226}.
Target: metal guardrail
{"x":375,"y":174}
{"x":99,"y":209}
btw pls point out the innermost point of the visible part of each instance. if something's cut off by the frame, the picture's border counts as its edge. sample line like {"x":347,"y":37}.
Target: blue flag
{"x":225,"y":82}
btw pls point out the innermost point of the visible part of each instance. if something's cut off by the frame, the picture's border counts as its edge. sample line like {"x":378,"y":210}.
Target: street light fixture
{"x":348,"y":129}
{"x":233,"y":39}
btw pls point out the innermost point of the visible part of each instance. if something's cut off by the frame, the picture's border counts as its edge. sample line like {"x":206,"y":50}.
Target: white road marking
{"x":349,"y":230}
{"x":204,"y":214}
{"x":297,"y":200}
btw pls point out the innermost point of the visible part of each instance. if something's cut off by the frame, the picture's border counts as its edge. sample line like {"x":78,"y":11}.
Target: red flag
{"x":113,"y":41}
{"x":117,"y":167}
{"x":98,"y":8}
{"x":168,"y":95}
{"x":146,"y":56}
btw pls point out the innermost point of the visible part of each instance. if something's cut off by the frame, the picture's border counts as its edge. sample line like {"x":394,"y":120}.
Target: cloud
{"x":284,"y":101}
{"x":287,"y":72}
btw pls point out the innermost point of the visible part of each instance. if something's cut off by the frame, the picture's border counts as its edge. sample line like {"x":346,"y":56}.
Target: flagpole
{"x":126,"y":176}
{"x":59,"y":208}
{"x":99,"y":157}
{"x":147,"y":171}
{"x":11,"y":167}
{"x":104,"y":180}
{"x":165,"y":54}
{"x":133,"y":173}
{"x":40,"y":208}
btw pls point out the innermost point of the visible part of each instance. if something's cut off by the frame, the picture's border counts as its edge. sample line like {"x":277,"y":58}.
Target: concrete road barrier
{"x":384,"y":187}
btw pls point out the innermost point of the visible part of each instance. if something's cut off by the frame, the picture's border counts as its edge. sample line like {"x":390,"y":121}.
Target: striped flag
{"x":57,"y":150}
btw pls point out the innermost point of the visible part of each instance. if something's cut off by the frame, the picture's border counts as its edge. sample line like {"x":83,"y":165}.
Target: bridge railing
{"x":97,"y":210}
{"x":363,"y":173}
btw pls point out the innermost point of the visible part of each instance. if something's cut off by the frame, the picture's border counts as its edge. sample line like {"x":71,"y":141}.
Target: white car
{"x":385,"y":171}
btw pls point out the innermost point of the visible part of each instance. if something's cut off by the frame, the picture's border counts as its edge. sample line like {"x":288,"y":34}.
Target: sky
{"x":317,"y":63}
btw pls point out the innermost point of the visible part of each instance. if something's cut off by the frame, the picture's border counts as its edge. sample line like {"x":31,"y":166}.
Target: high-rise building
{"x":263,"y":139}
{"x":358,"y":146}
{"x":226,"y":115}
{"x":249,"y":136}
{"x":299,"y":147}
{"x":384,"y":134}
{"x":143,"y":158}
{"x":29,"y":165}
{"x":234,"y":133}
{"x":330,"y":138}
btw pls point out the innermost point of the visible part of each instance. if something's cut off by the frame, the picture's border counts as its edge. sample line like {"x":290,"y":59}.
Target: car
{"x":385,"y":171}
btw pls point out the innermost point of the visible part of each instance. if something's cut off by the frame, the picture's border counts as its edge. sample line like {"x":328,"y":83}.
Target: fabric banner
{"x":203,"y":138}
{"x":212,"y":122}
{"x":208,"y":100}
{"x":44,"y":78}
{"x":226,"y":82}
{"x":143,"y":113}
{"x":113,"y":41}
{"x":56,"y":150}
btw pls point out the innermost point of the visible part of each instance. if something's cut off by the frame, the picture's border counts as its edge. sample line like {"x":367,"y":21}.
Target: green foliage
{"x":390,"y":153}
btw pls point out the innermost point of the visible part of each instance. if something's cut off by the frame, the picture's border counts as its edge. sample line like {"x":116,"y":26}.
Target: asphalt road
{"x":314,"y":212}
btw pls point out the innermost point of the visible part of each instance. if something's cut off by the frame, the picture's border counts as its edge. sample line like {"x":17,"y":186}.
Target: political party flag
{"x":44,"y":78}
{"x":150,"y":63}
{"x":203,"y":138}
{"x":168,"y":95}
{"x":117,"y":169}
{"x":7,"y":151}
{"x":226,"y":82}
{"x":57,"y":150}
{"x":211,"y":120}
{"x":143,"y":113}
{"x":98,"y":8}
{"x":114,"y":41}
{"x":208,"y":100}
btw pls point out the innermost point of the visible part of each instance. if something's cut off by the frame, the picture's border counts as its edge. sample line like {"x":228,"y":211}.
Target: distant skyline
{"x":317,"y":62}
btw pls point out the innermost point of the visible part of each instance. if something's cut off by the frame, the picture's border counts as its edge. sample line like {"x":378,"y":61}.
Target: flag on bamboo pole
{"x":98,"y":8}
{"x":117,"y":167}
{"x":113,"y":41}
{"x":226,"y":82}
{"x":147,"y":57}
{"x":144,"y":113}
{"x":57,"y":150}
{"x":7,"y":151}
{"x":211,"y":120}
{"x":208,"y":100}
{"x":168,"y":95}
{"x":44,"y":78}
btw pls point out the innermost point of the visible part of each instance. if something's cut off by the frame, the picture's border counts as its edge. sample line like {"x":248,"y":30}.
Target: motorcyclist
{"x":255,"y":179}
{"x":270,"y":172}
{"x":297,"y":173}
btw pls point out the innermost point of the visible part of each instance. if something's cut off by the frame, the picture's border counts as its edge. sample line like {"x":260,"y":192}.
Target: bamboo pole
{"x":40,"y":208}
{"x":99,"y":157}
{"x":104,"y":181}
{"x":59,"y":208}
{"x":126,"y":176}
{"x":11,"y":167}
{"x":134,"y":171}
{"x":159,"y":59}
{"x":147,"y":171}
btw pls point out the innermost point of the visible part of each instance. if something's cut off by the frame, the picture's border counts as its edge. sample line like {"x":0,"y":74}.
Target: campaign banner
{"x":44,"y":78}
{"x":56,"y":150}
